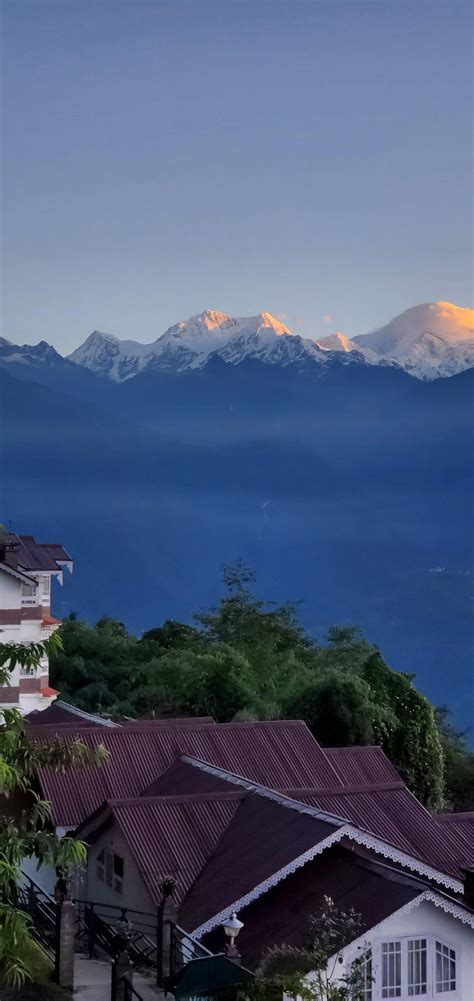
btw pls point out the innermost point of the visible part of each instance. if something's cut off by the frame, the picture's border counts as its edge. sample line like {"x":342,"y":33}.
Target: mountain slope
{"x":430,"y":341}
{"x":191,"y":343}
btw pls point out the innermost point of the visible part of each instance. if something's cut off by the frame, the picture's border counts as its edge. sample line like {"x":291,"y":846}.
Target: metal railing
{"x":98,"y":926}
{"x":184,"y":947}
{"x":42,"y":910}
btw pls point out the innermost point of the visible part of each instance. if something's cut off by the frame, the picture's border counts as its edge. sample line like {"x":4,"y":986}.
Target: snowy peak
{"x":190,"y":343}
{"x":431,"y":340}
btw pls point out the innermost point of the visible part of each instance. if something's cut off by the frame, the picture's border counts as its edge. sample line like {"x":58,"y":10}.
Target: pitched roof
{"x":461,"y":829}
{"x":183,"y":836}
{"x":265,"y":836}
{"x":24,"y":552}
{"x":278,"y":754}
{"x":393,"y":814}
{"x":281,"y":916}
{"x":366,"y":765}
{"x":63,"y":714}
{"x":389,"y":811}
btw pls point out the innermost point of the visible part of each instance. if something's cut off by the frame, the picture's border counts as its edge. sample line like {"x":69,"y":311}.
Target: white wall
{"x":426,"y":919}
{"x":134,"y":895}
{"x":10,"y":591}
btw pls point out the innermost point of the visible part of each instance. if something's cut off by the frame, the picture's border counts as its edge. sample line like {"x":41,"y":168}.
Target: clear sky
{"x":307,"y":158}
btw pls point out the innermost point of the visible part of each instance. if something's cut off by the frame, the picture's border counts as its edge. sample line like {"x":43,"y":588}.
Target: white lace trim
{"x":367,"y":840}
{"x":267,"y":884}
{"x":395,"y":855}
{"x":449,"y":906}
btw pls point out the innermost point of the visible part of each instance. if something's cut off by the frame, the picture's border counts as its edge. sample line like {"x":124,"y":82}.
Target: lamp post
{"x":167,"y":888}
{"x":232,"y":928}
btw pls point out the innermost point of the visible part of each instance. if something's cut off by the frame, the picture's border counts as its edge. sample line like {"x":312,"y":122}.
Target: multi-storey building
{"x":27,"y":570}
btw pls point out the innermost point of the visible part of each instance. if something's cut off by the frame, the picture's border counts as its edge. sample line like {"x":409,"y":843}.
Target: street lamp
{"x":232,"y":927}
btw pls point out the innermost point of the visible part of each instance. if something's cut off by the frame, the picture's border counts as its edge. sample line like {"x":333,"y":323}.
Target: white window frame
{"x":431,"y":994}
{"x":105,"y":871}
{"x":31,"y":597}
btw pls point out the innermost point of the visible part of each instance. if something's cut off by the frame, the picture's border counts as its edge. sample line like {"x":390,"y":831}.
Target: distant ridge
{"x":429,"y":341}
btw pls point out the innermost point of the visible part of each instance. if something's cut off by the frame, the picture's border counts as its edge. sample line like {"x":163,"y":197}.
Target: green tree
{"x":342,"y":688}
{"x":25,"y":831}
{"x":410,"y":739}
{"x":459,"y":763}
{"x":311,"y":971}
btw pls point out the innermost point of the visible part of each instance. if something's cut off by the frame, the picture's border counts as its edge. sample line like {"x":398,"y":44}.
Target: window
{"x":410,"y":968}
{"x":46,"y":587}
{"x":367,"y":978}
{"x":445,"y":976}
{"x":28,"y":594}
{"x":109,"y":869}
{"x":391,"y":969}
{"x":417,"y":967}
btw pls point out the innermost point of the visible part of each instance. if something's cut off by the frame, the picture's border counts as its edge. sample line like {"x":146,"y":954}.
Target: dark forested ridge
{"x":247,"y":659}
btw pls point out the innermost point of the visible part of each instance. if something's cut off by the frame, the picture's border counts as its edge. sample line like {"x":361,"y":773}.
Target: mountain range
{"x":342,"y":479}
{"x":429,"y":341}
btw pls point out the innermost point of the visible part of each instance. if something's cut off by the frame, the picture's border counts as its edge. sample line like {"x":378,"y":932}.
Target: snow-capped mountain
{"x":191,"y":343}
{"x":429,"y":341}
{"x":339,"y":342}
{"x":37,"y":354}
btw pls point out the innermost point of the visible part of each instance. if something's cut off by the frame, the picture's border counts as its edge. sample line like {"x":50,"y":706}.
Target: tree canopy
{"x":25,"y":831}
{"x":249,"y":659}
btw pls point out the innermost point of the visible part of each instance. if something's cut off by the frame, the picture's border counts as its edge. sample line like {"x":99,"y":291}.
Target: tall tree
{"x":25,"y":831}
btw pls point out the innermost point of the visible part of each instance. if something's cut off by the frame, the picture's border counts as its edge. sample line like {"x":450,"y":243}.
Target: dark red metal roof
{"x":461,"y":829}
{"x":281,"y":916}
{"x":394,"y":815}
{"x":367,"y":765}
{"x":388,"y":811}
{"x":209,"y":834}
{"x":277,"y":754}
{"x":174,"y":837}
{"x":263,"y":837}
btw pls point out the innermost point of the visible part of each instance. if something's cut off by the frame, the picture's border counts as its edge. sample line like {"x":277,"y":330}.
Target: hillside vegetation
{"x":247,"y":659}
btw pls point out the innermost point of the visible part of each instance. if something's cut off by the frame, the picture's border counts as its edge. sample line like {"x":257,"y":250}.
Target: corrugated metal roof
{"x":461,"y":830}
{"x":263,"y":837}
{"x":367,"y":765}
{"x":394,"y":815}
{"x":278,"y":754}
{"x":174,"y":837}
{"x":281,"y":916}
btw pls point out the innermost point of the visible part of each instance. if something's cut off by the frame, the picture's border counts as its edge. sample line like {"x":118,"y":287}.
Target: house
{"x":258,"y":818}
{"x":27,"y":570}
{"x":234,"y":845}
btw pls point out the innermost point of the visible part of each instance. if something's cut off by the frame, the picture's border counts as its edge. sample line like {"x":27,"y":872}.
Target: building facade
{"x":27,"y":571}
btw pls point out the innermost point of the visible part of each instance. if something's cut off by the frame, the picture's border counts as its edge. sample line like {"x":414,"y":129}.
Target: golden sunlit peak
{"x":268,"y":320}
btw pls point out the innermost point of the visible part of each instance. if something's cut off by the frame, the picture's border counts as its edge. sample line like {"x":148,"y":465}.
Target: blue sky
{"x":307,"y":158}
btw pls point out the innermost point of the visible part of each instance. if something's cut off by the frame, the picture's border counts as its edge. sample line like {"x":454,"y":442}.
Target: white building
{"x":27,"y":570}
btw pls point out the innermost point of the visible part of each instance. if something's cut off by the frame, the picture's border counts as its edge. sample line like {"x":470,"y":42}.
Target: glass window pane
{"x":391,"y":969}
{"x":417,"y":967}
{"x":445,"y":968}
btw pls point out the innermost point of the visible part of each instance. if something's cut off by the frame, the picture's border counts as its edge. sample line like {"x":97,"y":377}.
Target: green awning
{"x":206,"y":976}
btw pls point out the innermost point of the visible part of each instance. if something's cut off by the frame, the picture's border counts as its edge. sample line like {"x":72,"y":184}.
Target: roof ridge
{"x":345,"y":790}
{"x":265,"y":791}
{"x":193,"y":797}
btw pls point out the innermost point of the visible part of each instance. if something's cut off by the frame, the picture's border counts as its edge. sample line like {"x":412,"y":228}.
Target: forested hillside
{"x":248,"y":659}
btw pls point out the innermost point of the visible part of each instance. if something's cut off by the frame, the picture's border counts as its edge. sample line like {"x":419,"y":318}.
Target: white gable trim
{"x":430,"y":896}
{"x":267,"y":884}
{"x":388,"y":851}
{"x":379,"y":847}
{"x":448,"y":906}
